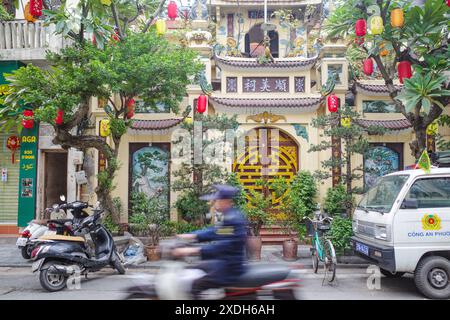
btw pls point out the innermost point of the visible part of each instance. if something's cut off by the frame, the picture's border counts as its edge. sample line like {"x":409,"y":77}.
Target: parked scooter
{"x":175,"y":278}
{"x":29,"y":238}
{"x":60,"y":257}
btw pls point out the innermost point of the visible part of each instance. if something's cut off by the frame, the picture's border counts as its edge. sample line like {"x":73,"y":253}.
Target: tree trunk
{"x":349,"y":180}
{"x":417,"y":146}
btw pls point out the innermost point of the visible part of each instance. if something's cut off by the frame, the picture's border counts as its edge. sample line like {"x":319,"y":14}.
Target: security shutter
{"x":8,"y":190}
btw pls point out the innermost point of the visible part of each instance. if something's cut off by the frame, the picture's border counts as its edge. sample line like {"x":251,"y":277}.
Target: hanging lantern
{"x":368,"y":66}
{"x":130,"y":108}
{"x":160,"y":27}
{"x":383,"y":51}
{"x":397,"y":18}
{"x":404,"y":70}
{"x":36,"y":8}
{"x":106,"y":2}
{"x":448,"y":3}
{"x":172,"y":10}
{"x":188,"y":120}
{"x":105,"y":128}
{"x":28,"y":119}
{"x":13,"y":143}
{"x":360,"y":27}
{"x":432,"y":129}
{"x":59,"y":120}
{"x":202,"y":103}
{"x":28,"y":16}
{"x":333,"y":103}
{"x":346,"y":122}
{"x":376,"y":25}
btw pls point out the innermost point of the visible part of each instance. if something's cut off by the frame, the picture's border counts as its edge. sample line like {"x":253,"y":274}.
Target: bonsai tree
{"x":421,"y":42}
{"x":196,"y":179}
{"x":354,"y":138}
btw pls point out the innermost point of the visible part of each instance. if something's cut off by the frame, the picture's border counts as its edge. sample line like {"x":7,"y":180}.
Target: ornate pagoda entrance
{"x":269,"y":153}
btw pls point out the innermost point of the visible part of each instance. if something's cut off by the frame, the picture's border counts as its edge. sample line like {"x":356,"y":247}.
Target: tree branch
{"x":116,"y":20}
{"x":155,"y":14}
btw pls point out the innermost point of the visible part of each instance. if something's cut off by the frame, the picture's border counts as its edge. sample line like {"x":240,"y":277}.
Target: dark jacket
{"x":227,"y":247}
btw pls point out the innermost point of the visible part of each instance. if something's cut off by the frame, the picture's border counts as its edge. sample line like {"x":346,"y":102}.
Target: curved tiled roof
{"x":400,"y":124}
{"x":282,"y":63}
{"x":374,"y":89}
{"x":256,"y":105}
{"x":155,"y":124}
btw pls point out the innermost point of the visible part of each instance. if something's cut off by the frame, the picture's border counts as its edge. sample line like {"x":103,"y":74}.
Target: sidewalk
{"x":10,"y":257}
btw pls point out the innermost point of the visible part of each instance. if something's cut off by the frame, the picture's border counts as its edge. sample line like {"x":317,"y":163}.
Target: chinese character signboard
{"x":27,"y":175}
{"x":265,"y":84}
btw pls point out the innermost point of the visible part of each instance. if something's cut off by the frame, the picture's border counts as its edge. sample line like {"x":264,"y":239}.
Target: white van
{"x":402,"y":224}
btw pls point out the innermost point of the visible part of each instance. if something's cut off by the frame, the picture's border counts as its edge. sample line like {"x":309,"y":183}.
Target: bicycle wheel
{"x":330,"y":261}
{"x":315,"y":260}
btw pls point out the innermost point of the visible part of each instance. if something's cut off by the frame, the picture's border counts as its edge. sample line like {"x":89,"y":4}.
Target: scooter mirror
{"x":62,"y":197}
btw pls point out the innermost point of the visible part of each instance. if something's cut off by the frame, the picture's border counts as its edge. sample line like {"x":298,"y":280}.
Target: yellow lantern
{"x":188,"y":120}
{"x":160,"y":26}
{"x":28,"y":16}
{"x":397,"y":18}
{"x":346,"y":122}
{"x":432,"y":129}
{"x":105,"y":128}
{"x":105,"y":2}
{"x":376,"y":25}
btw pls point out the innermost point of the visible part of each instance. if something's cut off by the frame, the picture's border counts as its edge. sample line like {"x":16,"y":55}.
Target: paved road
{"x":20,"y":283}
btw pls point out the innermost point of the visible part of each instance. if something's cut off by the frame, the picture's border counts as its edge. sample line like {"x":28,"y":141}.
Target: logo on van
{"x":431,"y":222}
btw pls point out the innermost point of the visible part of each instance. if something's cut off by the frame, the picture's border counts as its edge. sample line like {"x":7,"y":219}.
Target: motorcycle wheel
{"x":117,"y":264}
{"x":26,"y":252}
{"x":50,"y":281}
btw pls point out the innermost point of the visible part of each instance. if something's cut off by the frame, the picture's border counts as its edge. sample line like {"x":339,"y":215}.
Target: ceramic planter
{"x":253,"y":247}
{"x":153,"y":253}
{"x":290,"y":249}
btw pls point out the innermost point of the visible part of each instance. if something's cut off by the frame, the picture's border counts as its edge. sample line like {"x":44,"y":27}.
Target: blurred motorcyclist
{"x":224,"y":258}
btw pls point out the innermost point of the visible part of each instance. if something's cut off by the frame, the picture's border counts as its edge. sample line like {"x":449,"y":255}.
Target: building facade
{"x":279,"y":90}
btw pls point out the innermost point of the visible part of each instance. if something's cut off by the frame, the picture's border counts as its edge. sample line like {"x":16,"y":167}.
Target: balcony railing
{"x":21,"y":40}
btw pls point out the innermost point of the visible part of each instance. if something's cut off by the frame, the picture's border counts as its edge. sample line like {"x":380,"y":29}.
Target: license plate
{"x":362,"y":248}
{"x":21,"y":242}
{"x":37,"y":265}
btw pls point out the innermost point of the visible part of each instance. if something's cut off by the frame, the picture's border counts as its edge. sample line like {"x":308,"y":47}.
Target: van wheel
{"x":432,"y":277}
{"x":389,"y":274}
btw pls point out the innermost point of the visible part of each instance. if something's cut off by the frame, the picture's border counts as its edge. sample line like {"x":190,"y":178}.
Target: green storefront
{"x":18,"y":169}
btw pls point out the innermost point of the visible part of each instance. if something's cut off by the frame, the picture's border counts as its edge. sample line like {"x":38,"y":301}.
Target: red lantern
{"x":36,"y":8}
{"x":172,"y":10}
{"x":404,"y":70}
{"x":448,"y":3}
{"x":333,"y":103}
{"x":13,"y":143}
{"x":368,"y":66}
{"x":360,"y":27}
{"x":59,"y":120}
{"x":130,"y":108}
{"x":28,"y":119}
{"x":202,"y":103}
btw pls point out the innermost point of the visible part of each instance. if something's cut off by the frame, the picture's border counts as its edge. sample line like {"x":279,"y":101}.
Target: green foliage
{"x":354,"y":141}
{"x":422,"y":90}
{"x":441,"y":142}
{"x":149,"y":214}
{"x":5,"y":15}
{"x":171,"y":228}
{"x":191,"y":208}
{"x":240,"y":199}
{"x":110,"y":225}
{"x":336,"y":200}
{"x":257,"y":210}
{"x":303,"y":195}
{"x":341,"y":231}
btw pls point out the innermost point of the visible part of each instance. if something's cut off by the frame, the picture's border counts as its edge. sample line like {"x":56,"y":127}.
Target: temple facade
{"x":270,"y":74}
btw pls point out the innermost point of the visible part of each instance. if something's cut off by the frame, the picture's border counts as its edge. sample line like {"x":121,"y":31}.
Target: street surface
{"x":20,"y":283}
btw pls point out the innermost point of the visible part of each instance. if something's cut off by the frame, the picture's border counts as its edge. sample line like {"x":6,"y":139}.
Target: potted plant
{"x":298,"y":203}
{"x":336,"y":201}
{"x":257,"y":215}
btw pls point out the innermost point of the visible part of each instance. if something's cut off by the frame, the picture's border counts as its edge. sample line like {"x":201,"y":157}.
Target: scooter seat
{"x":60,"y":237}
{"x":260,"y":275}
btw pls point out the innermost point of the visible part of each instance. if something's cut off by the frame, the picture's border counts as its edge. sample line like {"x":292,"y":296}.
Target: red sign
{"x":13,"y":143}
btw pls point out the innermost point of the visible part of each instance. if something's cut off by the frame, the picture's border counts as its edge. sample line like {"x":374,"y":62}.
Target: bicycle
{"x":322,"y":247}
